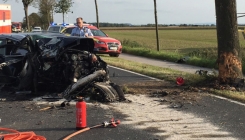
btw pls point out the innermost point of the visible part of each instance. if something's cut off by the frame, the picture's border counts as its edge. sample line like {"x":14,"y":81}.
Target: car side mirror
{"x":107,"y":35}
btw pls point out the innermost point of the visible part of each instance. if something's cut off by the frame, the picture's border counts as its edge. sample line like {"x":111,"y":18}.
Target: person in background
{"x":80,"y":30}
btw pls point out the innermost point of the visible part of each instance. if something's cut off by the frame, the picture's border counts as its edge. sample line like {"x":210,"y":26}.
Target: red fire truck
{"x":5,"y":18}
{"x":17,"y":26}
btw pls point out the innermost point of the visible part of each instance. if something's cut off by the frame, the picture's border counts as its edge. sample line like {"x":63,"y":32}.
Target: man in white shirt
{"x":80,"y":30}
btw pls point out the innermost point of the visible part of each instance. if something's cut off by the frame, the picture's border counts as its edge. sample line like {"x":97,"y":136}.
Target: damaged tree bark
{"x":229,"y":54}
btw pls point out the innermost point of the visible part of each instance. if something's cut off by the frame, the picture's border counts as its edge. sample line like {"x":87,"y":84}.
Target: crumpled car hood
{"x":53,"y":39}
{"x":86,"y":44}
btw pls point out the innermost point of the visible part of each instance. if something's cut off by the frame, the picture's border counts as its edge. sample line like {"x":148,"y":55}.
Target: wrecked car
{"x":55,"y":63}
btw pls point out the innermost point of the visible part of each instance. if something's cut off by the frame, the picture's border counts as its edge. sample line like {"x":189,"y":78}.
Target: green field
{"x":182,"y":40}
{"x":198,"y":44}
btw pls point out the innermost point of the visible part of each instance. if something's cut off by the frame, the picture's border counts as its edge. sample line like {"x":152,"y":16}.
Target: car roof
{"x":20,"y":36}
{"x":56,"y":26}
{"x":90,"y":26}
{"x":70,"y":26}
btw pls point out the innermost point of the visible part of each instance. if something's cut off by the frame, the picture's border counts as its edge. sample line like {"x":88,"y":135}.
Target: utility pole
{"x":156,"y":24}
{"x":97,"y":13}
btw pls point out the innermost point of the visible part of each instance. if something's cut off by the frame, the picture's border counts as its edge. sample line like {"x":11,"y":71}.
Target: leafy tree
{"x":229,"y":52}
{"x":26,"y":4}
{"x":63,"y":6}
{"x":34,"y":20}
{"x":45,"y":9}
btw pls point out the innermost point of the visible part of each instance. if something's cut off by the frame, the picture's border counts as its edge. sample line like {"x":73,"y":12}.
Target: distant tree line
{"x":180,"y":25}
{"x":36,"y":19}
{"x":105,"y":24}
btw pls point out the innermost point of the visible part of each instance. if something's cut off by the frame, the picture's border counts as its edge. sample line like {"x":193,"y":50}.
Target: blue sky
{"x":137,"y":11}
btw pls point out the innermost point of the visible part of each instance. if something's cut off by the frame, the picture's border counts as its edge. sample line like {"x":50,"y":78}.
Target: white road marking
{"x":136,"y":73}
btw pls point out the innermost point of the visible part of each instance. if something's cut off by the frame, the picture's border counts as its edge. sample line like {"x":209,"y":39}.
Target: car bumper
{"x":104,"y":49}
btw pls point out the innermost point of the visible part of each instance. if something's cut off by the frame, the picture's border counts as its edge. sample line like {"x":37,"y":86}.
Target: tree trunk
{"x":48,"y":17}
{"x":229,"y":56}
{"x":52,"y":16}
{"x":156,"y":24}
{"x":97,"y":15}
{"x":63,"y":15}
{"x":27,"y":18}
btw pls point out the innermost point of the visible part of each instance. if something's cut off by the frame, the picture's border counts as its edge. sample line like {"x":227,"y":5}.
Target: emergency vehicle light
{"x":52,"y":24}
{"x":63,"y":24}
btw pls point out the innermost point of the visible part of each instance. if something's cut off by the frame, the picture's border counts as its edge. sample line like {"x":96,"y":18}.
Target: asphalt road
{"x":221,"y":112}
{"x":55,"y":124}
{"x":121,"y":76}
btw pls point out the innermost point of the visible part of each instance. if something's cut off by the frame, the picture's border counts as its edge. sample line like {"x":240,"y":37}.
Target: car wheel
{"x":114,"y":55}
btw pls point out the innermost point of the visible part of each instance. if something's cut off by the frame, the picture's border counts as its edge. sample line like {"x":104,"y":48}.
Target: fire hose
{"x":111,"y":123}
{"x":16,"y":135}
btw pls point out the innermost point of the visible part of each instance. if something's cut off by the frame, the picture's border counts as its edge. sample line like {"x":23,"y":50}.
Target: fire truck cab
{"x":17,"y":26}
{"x":5,"y":18}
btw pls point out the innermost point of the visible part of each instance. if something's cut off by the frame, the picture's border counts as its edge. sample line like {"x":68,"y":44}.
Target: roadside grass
{"x":239,"y":96}
{"x":167,"y":74}
{"x":199,"y":45}
{"x":192,"y":59}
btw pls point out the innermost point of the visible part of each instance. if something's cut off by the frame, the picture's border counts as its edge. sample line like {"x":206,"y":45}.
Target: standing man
{"x":80,"y":30}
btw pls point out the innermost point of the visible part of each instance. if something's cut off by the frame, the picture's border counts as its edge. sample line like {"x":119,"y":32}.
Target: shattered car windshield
{"x":54,"y":40}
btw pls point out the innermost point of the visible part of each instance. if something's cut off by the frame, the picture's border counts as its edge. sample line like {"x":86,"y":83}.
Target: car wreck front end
{"x":58,"y":64}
